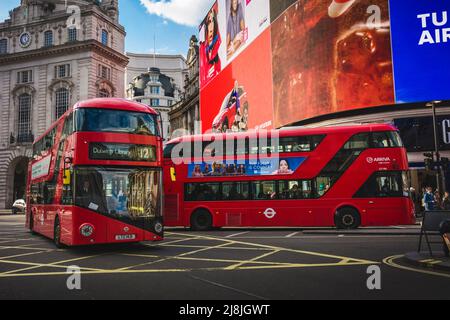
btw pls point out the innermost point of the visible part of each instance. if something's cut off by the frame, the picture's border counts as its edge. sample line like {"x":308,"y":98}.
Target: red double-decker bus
{"x":96,"y":175}
{"x":343,"y":177}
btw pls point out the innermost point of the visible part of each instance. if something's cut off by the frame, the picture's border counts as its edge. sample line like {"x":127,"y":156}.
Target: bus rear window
{"x":116,"y":121}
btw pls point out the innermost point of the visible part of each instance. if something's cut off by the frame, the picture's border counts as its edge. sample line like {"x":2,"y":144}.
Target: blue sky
{"x":172,"y":22}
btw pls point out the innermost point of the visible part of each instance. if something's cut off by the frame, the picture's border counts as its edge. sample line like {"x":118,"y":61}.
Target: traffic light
{"x":429,"y":161}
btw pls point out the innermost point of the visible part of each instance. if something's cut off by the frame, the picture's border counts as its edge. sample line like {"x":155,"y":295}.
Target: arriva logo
{"x":381,"y":159}
{"x":270,"y":213}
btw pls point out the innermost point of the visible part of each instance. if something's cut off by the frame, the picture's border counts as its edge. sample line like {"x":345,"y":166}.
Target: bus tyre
{"x":347,"y":218}
{"x":57,"y":234}
{"x":201,"y":220}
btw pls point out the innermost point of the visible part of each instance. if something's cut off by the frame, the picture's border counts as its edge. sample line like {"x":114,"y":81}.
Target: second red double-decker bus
{"x":96,"y":175}
{"x":323,"y":177}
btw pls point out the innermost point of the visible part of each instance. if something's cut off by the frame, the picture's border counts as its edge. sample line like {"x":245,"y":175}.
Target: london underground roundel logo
{"x":270,"y":213}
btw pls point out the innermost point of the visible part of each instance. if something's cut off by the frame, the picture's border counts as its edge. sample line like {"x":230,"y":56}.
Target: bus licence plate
{"x":125,"y":237}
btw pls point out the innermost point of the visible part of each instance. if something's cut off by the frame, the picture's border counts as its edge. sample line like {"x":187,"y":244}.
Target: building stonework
{"x":185,"y":115}
{"x":157,"y":81}
{"x":47,"y":66}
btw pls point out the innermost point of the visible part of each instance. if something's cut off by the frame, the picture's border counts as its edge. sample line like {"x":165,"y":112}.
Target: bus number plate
{"x":125,"y":237}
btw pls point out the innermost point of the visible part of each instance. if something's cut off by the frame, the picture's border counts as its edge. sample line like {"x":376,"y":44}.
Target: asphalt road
{"x":228,"y":264}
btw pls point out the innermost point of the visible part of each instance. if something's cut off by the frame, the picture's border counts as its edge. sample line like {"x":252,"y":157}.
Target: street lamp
{"x":439,"y":175}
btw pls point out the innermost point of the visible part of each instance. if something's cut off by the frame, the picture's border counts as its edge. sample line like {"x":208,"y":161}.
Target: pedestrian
{"x":446,"y":201}
{"x":437,"y":200}
{"x":445,"y":233}
{"x":428,"y":199}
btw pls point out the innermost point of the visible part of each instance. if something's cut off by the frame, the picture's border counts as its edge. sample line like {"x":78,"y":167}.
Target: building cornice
{"x":183,"y":106}
{"x":66,"y":49}
{"x":62,"y":16}
{"x":151,"y":55}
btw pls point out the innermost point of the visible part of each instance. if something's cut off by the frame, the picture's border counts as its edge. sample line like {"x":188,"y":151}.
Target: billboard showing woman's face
{"x":210,"y":42}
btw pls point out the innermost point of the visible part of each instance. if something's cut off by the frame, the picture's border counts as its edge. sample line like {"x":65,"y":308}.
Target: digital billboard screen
{"x":309,"y":58}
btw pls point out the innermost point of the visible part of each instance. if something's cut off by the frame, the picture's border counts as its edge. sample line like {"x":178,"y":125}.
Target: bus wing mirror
{"x":173,"y":174}
{"x":67,"y":179}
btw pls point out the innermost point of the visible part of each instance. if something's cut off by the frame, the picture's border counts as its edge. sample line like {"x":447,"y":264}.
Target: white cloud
{"x":184,"y":12}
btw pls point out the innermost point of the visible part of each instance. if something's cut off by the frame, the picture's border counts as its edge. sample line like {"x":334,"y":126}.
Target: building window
{"x":62,"y":71}
{"x":72,"y":34}
{"x":3,"y":46}
{"x":104,"y":72}
{"x":25,"y":77}
{"x":103,"y":93}
{"x":154,"y":102}
{"x":62,"y":101}
{"x":24,"y":121}
{"x":48,"y":38}
{"x":154,"y":90}
{"x":154,"y":78}
{"x":104,"y":37}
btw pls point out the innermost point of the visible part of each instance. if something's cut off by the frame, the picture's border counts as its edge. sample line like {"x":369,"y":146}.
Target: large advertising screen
{"x":308,"y":58}
{"x":236,"y":66}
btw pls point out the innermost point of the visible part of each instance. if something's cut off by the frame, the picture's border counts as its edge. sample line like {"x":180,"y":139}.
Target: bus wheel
{"x":57,"y":234}
{"x":347,"y":218}
{"x":201,"y":220}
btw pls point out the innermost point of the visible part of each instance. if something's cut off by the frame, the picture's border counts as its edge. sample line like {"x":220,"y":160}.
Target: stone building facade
{"x":186,"y":113}
{"x":157,"y":81}
{"x":52,"y":56}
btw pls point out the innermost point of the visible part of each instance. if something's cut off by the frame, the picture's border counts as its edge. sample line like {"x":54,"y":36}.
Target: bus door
{"x":381,"y":197}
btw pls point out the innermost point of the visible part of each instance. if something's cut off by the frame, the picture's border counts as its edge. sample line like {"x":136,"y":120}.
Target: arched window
{"x":48,"y":38}
{"x":24,"y":120}
{"x":3,"y":46}
{"x":103,"y":93}
{"x":105,"y":37}
{"x":62,"y":101}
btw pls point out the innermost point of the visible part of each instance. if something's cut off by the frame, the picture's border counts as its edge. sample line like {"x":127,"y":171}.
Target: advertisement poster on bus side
{"x":331,"y":56}
{"x":41,"y":168}
{"x":265,"y":167}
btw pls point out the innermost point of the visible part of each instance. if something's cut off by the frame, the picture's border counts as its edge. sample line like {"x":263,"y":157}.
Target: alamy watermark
{"x":74,"y":280}
{"x":374,"y":281}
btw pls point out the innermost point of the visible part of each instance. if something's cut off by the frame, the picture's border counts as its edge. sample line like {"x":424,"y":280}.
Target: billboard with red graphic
{"x":279,"y":62}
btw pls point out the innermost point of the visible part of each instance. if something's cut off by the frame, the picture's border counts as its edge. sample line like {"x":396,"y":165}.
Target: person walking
{"x":437,"y":200}
{"x":446,"y":201}
{"x":428,"y":199}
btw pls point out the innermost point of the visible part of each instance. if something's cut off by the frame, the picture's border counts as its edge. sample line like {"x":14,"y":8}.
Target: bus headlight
{"x":87,"y":230}
{"x":159,"y":227}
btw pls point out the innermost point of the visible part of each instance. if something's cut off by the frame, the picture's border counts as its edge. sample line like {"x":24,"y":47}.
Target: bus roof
{"x":103,"y":103}
{"x":115,"y":103}
{"x":293,"y":131}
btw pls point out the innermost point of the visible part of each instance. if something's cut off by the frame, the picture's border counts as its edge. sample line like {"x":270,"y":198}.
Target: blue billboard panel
{"x":261,"y":167}
{"x":420,"y":32}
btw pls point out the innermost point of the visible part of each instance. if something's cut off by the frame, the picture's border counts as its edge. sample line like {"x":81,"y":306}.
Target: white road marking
{"x":292,"y":234}
{"x":237,"y":234}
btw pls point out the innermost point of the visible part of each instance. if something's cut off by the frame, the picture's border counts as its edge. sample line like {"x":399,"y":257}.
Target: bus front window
{"x":116,"y":121}
{"x":120,"y":193}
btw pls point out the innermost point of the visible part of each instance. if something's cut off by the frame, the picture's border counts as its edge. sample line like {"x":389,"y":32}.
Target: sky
{"x":170,"y":22}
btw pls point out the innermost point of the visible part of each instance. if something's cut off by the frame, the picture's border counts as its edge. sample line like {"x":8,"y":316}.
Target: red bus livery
{"x":343,"y":177}
{"x":96,"y":176}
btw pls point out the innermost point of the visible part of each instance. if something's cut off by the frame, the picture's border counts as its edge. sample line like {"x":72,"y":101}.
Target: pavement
{"x":230,"y":264}
{"x":438,"y":261}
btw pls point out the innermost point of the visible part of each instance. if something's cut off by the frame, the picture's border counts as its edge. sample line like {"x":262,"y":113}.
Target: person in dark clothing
{"x":445,"y":232}
{"x":446,"y":201}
